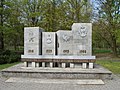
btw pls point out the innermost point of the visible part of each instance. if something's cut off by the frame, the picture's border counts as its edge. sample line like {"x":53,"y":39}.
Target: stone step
{"x":57,"y":73}
{"x":55,"y":81}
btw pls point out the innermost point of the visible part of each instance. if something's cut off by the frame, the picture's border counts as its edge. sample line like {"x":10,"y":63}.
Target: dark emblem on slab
{"x":49,"y":41}
{"x":83,"y":31}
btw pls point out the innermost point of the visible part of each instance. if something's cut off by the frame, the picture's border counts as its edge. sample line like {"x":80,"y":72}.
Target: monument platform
{"x":57,"y":73}
{"x":57,"y":58}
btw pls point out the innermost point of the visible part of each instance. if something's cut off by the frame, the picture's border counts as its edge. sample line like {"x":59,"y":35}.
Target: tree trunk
{"x":1,"y":29}
{"x":1,"y":41}
{"x":114,"y":48}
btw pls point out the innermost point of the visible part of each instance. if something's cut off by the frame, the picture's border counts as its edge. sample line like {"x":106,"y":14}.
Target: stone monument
{"x":82,"y":39}
{"x":65,"y":54}
{"x":67,"y":48}
{"x":32,"y":41}
{"x":65,"y":42}
{"x":48,"y":43}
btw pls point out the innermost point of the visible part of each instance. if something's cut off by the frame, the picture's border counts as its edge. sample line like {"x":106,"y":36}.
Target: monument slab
{"x":65,"y":42}
{"x":82,"y":35}
{"x":32,"y":41}
{"x":48,"y":43}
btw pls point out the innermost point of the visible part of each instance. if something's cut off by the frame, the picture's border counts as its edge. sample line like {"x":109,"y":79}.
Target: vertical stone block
{"x":43,"y":64}
{"x":82,"y":39}
{"x":32,"y":41}
{"x":90,"y":65}
{"x":71,"y":65}
{"x":51,"y":64}
{"x":84,"y":65}
{"x":37,"y":64}
{"x":48,"y":43}
{"x":63,"y":65}
{"x":25,"y":64}
{"x":33,"y":64}
{"x":65,"y":42}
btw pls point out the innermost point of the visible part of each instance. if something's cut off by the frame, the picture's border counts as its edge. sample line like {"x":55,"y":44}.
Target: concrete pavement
{"x":109,"y":85}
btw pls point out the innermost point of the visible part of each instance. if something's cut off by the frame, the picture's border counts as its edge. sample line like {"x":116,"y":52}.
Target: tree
{"x":51,"y":15}
{"x":1,"y":24}
{"x":80,"y":10}
{"x":109,"y":18}
{"x":31,"y":11}
{"x":14,"y":27}
{"x":4,"y":14}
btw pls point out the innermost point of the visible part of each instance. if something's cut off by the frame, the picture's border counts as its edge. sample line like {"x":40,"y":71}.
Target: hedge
{"x":8,"y":56}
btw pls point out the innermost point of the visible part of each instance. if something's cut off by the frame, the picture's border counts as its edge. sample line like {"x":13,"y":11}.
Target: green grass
{"x":102,"y":51}
{"x":3,"y":66}
{"x":113,"y":66}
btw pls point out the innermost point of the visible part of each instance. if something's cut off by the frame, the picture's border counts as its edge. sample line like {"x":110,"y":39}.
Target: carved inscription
{"x":83,"y":51}
{"x":65,"y":51}
{"x":48,"y":51}
{"x":30,"y":51}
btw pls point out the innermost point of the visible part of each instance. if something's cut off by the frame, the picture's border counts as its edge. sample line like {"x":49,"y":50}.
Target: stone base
{"x":55,"y":81}
{"x":57,"y":73}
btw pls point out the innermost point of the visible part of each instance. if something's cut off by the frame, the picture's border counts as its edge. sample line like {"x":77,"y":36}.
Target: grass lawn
{"x":112,"y":65}
{"x":3,"y":66}
{"x":102,"y":51}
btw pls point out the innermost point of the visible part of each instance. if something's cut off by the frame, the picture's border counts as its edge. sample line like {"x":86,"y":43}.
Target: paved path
{"x":109,"y":85}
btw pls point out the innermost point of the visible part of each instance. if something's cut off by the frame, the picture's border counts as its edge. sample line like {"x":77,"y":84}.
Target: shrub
{"x":8,"y":56}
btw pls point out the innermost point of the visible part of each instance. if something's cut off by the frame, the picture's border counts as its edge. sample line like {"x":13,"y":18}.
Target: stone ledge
{"x":59,"y":73}
{"x":57,"y":57}
{"x":51,"y":58}
{"x":57,"y":60}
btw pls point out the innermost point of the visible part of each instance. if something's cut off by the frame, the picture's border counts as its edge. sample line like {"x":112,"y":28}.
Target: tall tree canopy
{"x":52,"y":15}
{"x":108,"y":24}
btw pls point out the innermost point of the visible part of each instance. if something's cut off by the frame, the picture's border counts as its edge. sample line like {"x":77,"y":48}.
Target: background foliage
{"x":53,"y":15}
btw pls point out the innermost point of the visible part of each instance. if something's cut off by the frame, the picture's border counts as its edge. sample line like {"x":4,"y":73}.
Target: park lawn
{"x":112,"y":65}
{"x":3,"y":66}
{"x":102,"y":51}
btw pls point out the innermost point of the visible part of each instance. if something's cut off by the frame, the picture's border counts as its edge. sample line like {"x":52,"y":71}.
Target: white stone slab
{"x":82,"y":39}
{"x":31,"y":35}
{"x":32,"y":41}
{"x":48,"y":43}
{"x":90,"y":65}
{"x":84,"y":65}
{"x":37,"y":64}
{"x":63,"y":65}
{"x":33,"y":64}
{"x":25,"y":64}
{"x":65,"y":42}
{"x":51,"y":64}
{"x":57,"y":57}
{"x":56,"y":81}
{"x":43,"y":64}
{"x":71,"y":65}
